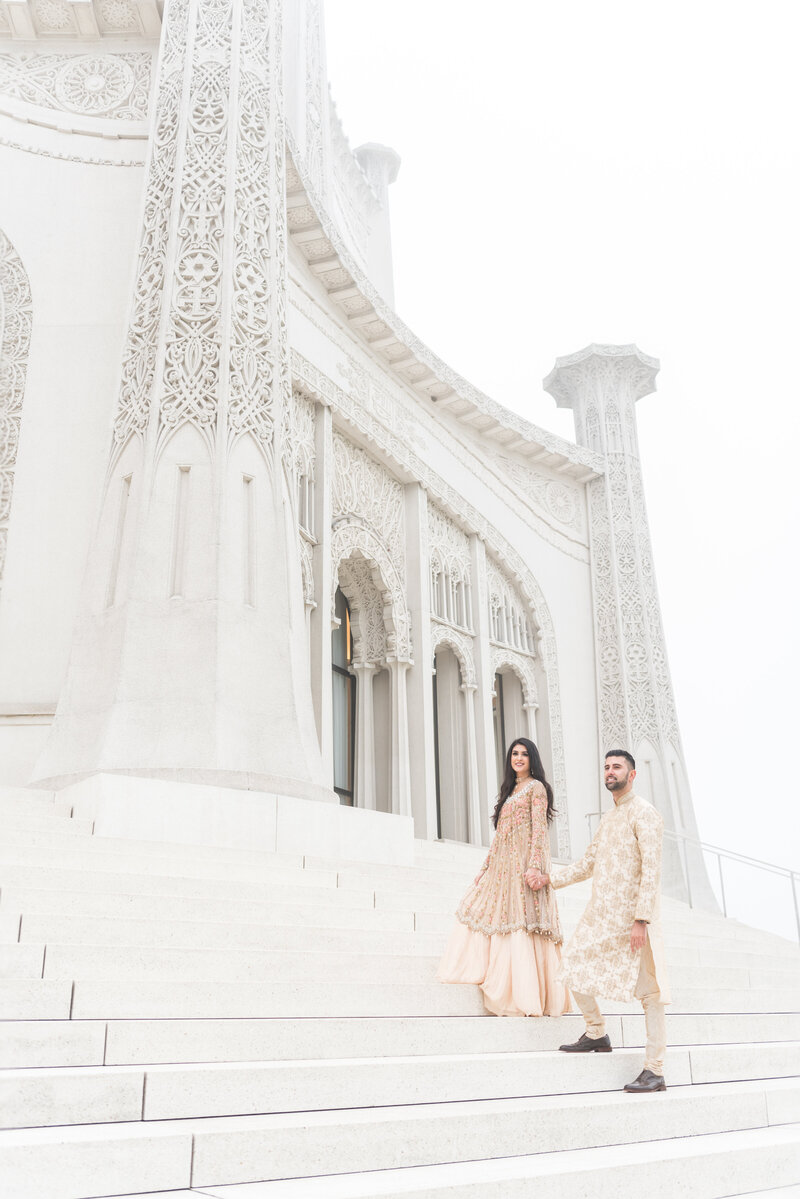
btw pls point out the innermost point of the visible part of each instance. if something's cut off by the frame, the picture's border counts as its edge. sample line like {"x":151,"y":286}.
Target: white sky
{"x":626,"y":172}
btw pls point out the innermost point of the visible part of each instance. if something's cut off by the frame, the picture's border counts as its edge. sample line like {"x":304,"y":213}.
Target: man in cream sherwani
{"x":617,"y":949}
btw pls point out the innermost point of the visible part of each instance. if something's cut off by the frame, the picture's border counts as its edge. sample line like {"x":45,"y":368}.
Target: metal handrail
{"x":733,"y":856}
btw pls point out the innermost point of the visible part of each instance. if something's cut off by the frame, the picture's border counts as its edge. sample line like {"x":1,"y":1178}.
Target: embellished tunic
{"x":624,"y":860}
{"x":500,"y":901}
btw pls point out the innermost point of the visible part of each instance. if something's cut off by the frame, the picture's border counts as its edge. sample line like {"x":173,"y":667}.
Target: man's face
{"x":618,"y":774}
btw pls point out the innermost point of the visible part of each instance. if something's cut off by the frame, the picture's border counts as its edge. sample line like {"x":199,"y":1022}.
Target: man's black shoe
{"x":645,"y":1083}
{"x":586,"y":1044}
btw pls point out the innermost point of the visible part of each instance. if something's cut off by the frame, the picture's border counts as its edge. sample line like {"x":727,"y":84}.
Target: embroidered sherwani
{"x":624,"y":860}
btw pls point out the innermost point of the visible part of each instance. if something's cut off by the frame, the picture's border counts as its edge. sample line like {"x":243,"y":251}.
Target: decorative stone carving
{"x":461,"y":646}
{"x":112,"y":86}
{"x":214,"y":347}
{"x":509,"y":620}
{"x":360,"y":414}
{"x":365,"y":596}
{"x":383,"y":400}
{"x":364,"y":490}
{"x":522,"y":666}
{"x":53,"y":16}
{"x":602,"y":385}
{"x":369,"y":521}
{"x":563,"y":501}
{"x":15,"y":336}
{"x":119,"y":16}
{"x":451,"y":581}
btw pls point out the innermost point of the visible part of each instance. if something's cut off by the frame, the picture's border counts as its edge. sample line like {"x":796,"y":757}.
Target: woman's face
{"x":520,"y":760}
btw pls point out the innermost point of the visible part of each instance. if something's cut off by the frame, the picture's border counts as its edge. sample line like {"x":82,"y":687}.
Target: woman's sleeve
{"x":538,"y":858}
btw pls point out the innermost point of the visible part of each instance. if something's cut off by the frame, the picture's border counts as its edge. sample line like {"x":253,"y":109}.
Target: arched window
{"x":344,"y":703}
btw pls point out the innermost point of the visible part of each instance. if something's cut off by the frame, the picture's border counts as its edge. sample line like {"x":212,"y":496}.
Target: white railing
{"x":729,"y":855}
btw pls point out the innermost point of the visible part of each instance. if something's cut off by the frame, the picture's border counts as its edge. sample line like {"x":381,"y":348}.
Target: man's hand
{"x":638,"y":935}
{"x":536,"y":880}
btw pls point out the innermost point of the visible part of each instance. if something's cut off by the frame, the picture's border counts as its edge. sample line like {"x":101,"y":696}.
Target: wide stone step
{"x":88,"y":1161}
{"x":184,"y":934}
{"x":314,"y":887}
{"x":204,"y":997}
{"x":42,"y":827}
{"x":697,"y":1167}
{"x":333,"y":909}
{"x":301,"y":964}
{"x":61,"y":860}
{"x":35,"y":999}
{"x":164,"y":1092}
{"x":341,"y":930}
{"x":142,"y":1042}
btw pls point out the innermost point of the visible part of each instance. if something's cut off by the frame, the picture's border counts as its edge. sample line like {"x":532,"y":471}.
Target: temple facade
{"x":257,"y":537}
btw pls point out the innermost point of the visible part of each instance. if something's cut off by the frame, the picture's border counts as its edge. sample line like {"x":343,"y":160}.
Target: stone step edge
{"x":364,"y":1117}
{"x":556,"y":1164}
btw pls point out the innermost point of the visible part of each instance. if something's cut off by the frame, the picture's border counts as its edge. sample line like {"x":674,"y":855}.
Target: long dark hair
{"x":510,"y":778}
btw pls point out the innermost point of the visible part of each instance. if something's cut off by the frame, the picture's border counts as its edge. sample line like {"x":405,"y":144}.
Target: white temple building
{"x":320,"y":563}
{"x":277,"y":588}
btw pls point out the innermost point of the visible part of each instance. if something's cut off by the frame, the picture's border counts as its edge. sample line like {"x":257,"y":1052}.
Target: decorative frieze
{"x":112,"y":86}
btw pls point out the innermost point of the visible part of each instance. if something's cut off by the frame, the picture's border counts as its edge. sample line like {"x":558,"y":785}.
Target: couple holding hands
{"x":507,"y":937}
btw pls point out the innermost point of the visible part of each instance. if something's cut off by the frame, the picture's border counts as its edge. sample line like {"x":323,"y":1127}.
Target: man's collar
{"x":619,"y":802}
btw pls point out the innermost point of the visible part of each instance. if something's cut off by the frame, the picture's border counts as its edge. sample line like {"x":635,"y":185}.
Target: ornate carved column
{"x":635,"y":699}
{"x":188,"y":656}
{"x":401,"y":763}
{"x":320,"y":637}
{"x":473,"y":791}
{"x":487,"y":771}
{"x":419,"y":689}
{"x":530,"y":711}
{"x":365,"y":735}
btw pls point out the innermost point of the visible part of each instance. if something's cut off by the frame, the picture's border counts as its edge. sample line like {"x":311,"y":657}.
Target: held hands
{"x":535,"y":879}
{"x":638,"y":935}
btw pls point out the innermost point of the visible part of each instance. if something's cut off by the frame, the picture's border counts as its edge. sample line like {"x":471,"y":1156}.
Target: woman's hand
{"x":535,"y":879}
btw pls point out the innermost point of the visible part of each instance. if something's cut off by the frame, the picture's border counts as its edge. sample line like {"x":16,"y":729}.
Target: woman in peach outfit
{"x":507,"y":937}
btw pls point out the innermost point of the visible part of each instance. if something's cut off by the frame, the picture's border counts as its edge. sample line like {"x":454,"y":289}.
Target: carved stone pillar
{"x":474,"y":822}
{"x":419,"y":689}
{"x":187,"y":660}
{"x":365,"y":735}
{"x":484,"y":732}
{"x":320,"y":639}
{"x":635,"y":699}
{"x":401,"y":763}
{"x":530,"y":711}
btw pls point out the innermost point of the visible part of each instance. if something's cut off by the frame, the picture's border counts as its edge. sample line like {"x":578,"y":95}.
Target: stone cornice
{"x":395,"y":346}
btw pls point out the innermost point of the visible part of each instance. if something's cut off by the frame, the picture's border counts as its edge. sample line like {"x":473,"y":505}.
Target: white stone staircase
{"x":264,"y":1026}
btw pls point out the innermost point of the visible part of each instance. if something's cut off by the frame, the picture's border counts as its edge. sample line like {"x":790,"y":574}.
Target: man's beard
{"x":617,"y":784}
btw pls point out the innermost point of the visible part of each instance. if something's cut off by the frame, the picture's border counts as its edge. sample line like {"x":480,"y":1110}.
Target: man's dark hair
{"x":622,"y":753}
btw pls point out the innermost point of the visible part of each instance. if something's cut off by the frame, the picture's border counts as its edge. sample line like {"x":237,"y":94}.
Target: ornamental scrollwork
{"x":357,"y":579}
{"x":522,"y":666}
{"x":461,"y":645}
{"x":450,"y":569}
{"x":363,"y":489}
{"x":355,"y":540}
{"x":360,"y":414}
{"x":113,"y":86}
{"x":509,"y":619}
{"x":16,"y":315}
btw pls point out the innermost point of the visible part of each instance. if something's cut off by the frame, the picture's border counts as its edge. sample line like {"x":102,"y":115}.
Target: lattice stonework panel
{"x":15,"y":337}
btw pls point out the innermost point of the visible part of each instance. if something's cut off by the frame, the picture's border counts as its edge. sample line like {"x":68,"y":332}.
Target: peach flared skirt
{"x":516,"y":971}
